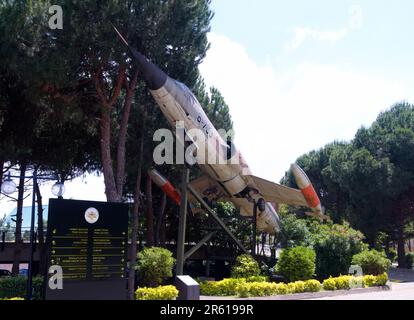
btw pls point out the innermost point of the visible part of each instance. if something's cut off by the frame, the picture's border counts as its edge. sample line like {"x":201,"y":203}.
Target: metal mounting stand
{"x":254,"y":240}
{"x":181,"y":254}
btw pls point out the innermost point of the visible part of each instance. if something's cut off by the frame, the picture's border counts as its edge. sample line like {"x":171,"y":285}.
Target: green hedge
{"x":337,"y":283}
{"x":375,"y":281}
{"x":16,"y":287}
{"x":260,"y":289}
{"x":349,"y":282}
{"x":227,"y":287}
{"x":243,"y":288}
{"x":159,"y":293}
{"x":313,"y":286}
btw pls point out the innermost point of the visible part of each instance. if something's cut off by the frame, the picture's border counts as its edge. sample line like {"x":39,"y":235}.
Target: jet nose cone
{"x":153,"y":76}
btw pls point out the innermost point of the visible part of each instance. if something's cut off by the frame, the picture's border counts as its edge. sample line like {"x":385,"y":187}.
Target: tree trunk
{"x":149,"y":213}
{"x":112,"y":194}
{"x":160,"y":219}
{"x":106,"y":158}
{"x":19,"y":219}
{"x":134,"y":237}
{"x":135,"y":214}
{"x":387,"y":245}
{"x":134,"y":226}
{"x":400,"y":239}
{"x":163,"y":235}
{"x":1,"y":171}
{"x":122,"y":136}
{"x":40,"y":231}
{"x":401,"y":247}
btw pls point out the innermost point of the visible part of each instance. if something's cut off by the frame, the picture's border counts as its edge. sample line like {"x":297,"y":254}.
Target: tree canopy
{"x":370,"y":180}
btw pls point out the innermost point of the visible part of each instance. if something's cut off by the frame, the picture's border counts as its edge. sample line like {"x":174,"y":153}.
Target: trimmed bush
{"x":240,"y":287}
{"x":409,"y":258}
{"x":313,"y":286}
{"x":296,"y":287}
{"x":15,"y":298}
{"x":370,"y":281}
{"x":16,"y":287}
{"x":343,"y":282}
{"x":348,"y":282}
{"x":296,"y":264}
{"x":281,"y":289}
{"x":211,"y":288}
{"x":154,"y":265}
{"x":382,"y":279}
{"x":243,"y":290}
{"x":374,"y":281}
{"x":226,"y":287}
{"x":255,"y":289}
{"x":159,"y":293}
{"x":245,"y":267}
{"x":372,"y":262}
{"x":329,"y":284}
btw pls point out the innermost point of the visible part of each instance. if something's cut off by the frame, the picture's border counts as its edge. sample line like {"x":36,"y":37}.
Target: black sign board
{"x":88,"y":240}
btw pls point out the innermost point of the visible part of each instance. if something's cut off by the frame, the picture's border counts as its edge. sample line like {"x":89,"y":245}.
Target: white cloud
{"x":278,"y":117}
{"x":301,"y":34}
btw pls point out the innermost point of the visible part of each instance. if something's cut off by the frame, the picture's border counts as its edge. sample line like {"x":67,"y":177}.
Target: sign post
{"x":87,"y":244}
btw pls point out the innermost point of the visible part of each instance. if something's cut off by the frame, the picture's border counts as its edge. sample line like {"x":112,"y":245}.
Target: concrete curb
{"x":308,"y":295}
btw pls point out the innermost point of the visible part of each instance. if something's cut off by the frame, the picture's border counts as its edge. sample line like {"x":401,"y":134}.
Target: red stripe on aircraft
{"x":170,"y":191}
{"x":311,"y":197}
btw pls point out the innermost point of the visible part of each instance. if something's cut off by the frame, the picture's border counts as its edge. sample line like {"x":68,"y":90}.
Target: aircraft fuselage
{"x":229,"y":169}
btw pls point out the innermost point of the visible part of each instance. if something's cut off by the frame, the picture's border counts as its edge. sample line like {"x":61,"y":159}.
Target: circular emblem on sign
{"x":91,"y":215}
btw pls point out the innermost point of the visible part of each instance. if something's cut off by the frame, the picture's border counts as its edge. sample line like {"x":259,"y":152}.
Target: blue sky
{"x":382,"y":43}
{"x":300,"y":74}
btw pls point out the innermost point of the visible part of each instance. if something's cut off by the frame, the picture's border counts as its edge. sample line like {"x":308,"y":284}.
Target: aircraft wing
{"x":208,"y":188}
{"x":273,"y":192}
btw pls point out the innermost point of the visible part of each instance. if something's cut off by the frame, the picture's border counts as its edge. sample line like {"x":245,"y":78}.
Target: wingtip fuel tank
{"x":165,"y":185}
{"x":308,"y":191}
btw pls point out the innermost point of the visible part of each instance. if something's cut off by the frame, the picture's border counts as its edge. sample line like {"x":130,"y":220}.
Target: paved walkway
{"x":400,"y":291}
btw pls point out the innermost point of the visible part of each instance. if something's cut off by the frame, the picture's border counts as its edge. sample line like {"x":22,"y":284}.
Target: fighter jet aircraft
{"x":229,"y":178}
